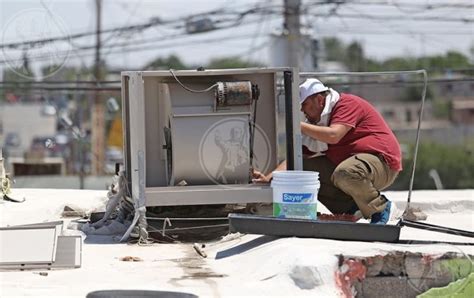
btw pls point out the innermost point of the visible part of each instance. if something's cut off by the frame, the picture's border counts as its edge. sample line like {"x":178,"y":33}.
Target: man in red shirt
{"x":361,"y":154}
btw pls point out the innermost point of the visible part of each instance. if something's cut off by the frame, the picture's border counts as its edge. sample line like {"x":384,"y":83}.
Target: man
{"x":361,"y":154}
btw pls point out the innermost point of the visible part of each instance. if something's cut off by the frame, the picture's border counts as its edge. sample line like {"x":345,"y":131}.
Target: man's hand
{"x":258,"y":177}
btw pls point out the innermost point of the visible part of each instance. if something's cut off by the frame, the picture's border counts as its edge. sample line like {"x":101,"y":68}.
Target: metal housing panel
{"x":27,"y":245}
{"x":126,"y":127}
{"x":209,"y":152}
{"x":208,"y":72}
{"x":68,"y":252}
{"x":200,"y":195}
{"x":297,"y":142}
{"x":137,"y":128}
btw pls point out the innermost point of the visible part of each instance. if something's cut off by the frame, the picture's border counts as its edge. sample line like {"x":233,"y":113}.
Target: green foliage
{"x":23,"y":82}
{"x":413,"y":93}
{"x":231,"y":62}
{"x":441,"y":108}
{"x":171,"y":61}
{"x":67,"y":73}
{"x":334,"y":48}
{"x":436,"y":63}
{"x":455,"y":166}
{"x":399,"y":63}
{"x":353,"y":57}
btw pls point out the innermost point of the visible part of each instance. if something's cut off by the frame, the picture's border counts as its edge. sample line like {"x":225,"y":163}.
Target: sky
{"x":385,"y":28}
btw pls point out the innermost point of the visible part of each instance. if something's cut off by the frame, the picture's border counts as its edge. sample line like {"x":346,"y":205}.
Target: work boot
{"x":381,"y":218}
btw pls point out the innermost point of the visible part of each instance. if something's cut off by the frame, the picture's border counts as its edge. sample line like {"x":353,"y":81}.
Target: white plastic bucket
{"x":295,"y":194}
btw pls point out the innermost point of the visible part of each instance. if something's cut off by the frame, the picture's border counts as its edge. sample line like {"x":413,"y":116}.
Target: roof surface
{"x":236,"y":265}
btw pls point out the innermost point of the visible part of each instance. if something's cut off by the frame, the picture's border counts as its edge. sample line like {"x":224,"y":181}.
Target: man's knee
{"x":348,"y":174}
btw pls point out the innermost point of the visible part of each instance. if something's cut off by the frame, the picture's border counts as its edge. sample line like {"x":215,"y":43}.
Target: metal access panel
{"x":199,"y":147}
{"x":28,"y":245}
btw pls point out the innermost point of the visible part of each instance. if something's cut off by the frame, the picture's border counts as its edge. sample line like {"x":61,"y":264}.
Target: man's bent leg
{"x":329,"y":195}
{"x":362,"y":176}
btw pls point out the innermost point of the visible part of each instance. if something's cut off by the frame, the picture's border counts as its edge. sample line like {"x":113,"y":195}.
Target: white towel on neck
{"x":314,"y":145}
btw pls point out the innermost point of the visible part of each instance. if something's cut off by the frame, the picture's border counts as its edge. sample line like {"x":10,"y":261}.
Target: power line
{"x":152,"y":22}
{"x":128,"y":47}
{"x":40,"y":42}
{"x":135,"y":43}
{"x":436,"y":80}
{"x":45,"y":88}
{"x":230,"y":17}
{"x":423,"y":7}
{"x":57,"y":82}
{"x":379,"y":32}
{"x":396,"y":18}
{"x":235,"y":22}
{"x":240,"y":16}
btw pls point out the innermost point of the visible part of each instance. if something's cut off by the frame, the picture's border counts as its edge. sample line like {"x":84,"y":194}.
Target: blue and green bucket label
{"x":295,"y":205}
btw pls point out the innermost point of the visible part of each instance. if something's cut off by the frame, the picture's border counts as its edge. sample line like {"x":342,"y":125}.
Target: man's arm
{"x":328,"y":134}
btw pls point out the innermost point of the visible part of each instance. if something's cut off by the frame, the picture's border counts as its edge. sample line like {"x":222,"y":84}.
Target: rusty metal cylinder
{"x":236,"y":93}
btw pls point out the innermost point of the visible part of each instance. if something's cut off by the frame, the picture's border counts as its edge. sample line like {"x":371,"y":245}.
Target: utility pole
{"x":80,"y":141}
{"x":292,"y":28}
{"x":98,"y":110}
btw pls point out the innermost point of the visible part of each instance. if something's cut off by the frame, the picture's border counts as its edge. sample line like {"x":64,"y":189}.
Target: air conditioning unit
{"x":194,"y":137}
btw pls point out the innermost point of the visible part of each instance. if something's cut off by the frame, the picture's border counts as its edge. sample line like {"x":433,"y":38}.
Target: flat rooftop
{"x":237,"y":265}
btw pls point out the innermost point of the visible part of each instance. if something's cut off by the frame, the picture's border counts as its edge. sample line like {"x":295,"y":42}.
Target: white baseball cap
{"x":310,"y":87}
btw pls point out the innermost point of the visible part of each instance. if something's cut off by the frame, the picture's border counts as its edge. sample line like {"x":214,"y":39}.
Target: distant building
{"x":21,"y":123}
{"x":462,"y":110}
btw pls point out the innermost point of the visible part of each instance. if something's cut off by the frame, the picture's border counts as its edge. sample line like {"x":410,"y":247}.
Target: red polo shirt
{"x":369,"y":132}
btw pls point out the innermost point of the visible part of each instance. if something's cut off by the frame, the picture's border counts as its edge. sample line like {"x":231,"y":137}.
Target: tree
{"x":20,"y":90}
{"x":231,"y":62}
{"x":413,"y":93}
{"x":334,"y":49}
{"x":399,"y":63}
{"x":67,"y":73}
{"x":455,"y":166}
{"x":354,"y":58}
{"x":171,"y":61}
{"x":471,"y":51}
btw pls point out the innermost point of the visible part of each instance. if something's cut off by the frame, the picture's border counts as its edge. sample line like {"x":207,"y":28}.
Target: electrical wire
{"x":132,"y":46}
{"x":397,"y":18}
{"x":130,"y":16}
{"x":231,"y":17}
{"x":189,"y":89}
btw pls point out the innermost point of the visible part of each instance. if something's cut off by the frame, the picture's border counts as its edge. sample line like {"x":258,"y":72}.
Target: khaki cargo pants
{"x":359,"y":179}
